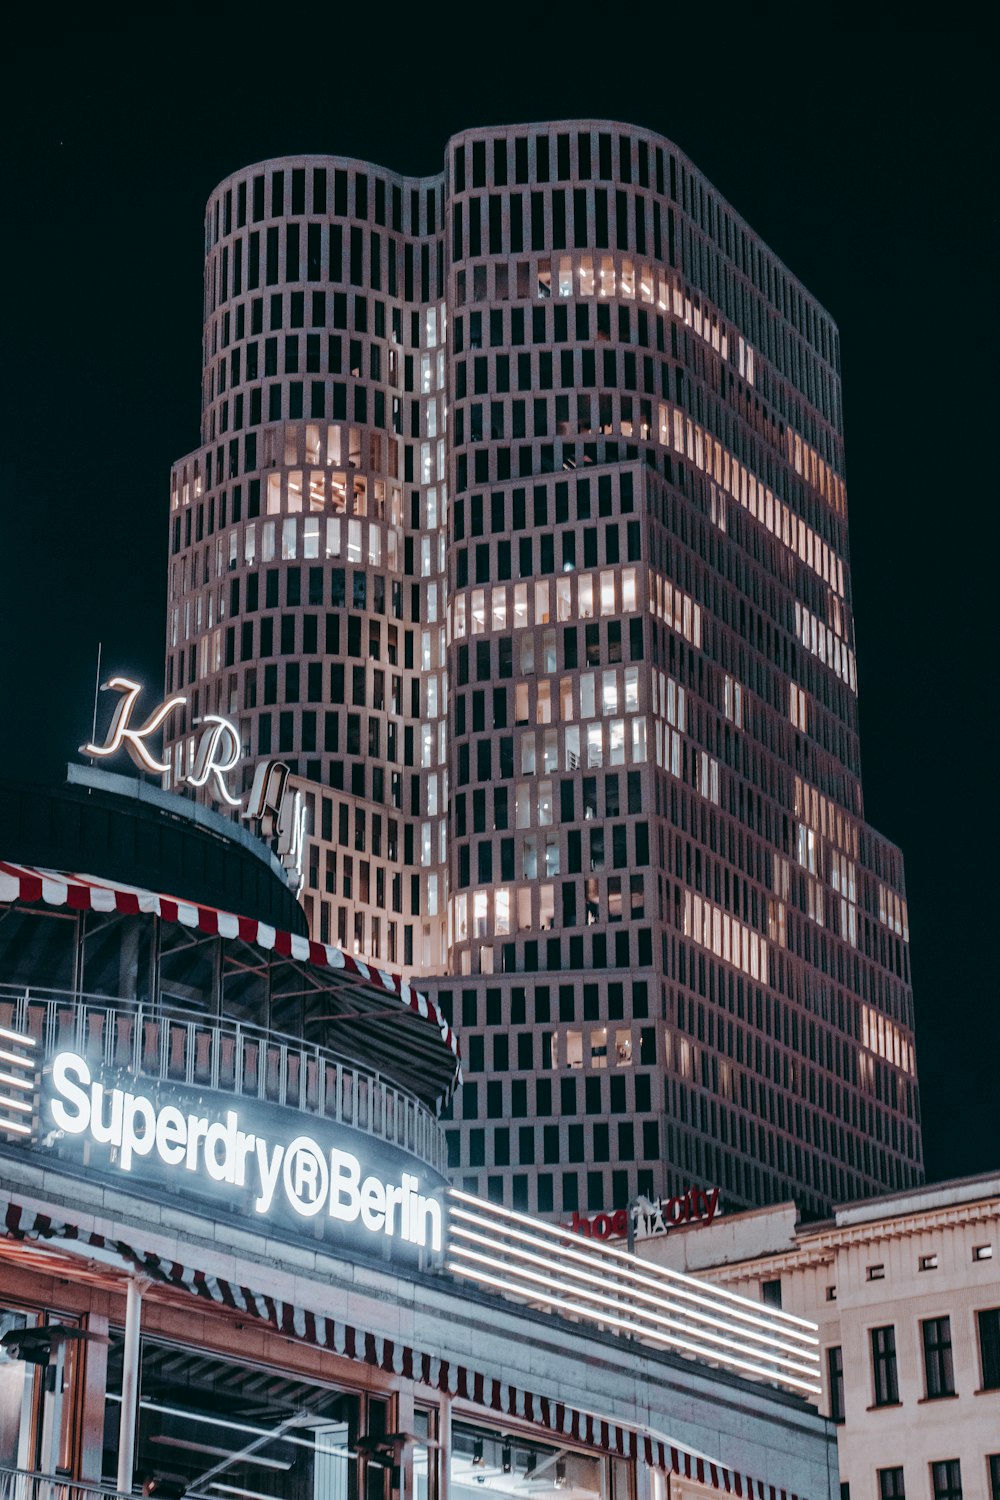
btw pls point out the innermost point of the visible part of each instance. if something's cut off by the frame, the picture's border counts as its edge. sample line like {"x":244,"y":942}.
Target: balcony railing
{"x":231,"y":1056}
{"x":21,"y":1484}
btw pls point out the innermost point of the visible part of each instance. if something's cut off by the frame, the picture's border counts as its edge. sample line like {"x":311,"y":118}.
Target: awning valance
{"x":83,"y":893}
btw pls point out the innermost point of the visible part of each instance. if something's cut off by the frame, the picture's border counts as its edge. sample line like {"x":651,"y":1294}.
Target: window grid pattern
{"x":518,"y":529}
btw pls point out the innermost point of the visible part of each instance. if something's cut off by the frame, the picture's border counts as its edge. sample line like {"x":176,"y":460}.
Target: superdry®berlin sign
{"x":242,"y":1155}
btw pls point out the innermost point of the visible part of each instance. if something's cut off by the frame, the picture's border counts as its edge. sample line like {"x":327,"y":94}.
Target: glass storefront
{"x":486,"y":1463}
{"x":227,"y":1430}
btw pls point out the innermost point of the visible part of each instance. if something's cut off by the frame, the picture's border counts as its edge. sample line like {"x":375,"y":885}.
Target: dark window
{"x":835,"y":1382}
{"x":994,"y":1463}
{"x":946,"y":1479}
{"x":939,"y":1376}
{"x":989,"y":1347}
{"x":886,"y":1385}
{"x":890,"y":1484}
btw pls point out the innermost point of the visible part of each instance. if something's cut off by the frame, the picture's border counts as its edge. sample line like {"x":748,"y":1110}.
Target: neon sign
{"x":297,"y":1177}
{"x":122,"y":735}
{"x":275,"y":808}
{"x":697,"y":1205}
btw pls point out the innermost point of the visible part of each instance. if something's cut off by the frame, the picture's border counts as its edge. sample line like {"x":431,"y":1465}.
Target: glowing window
{"x":499,"y":609}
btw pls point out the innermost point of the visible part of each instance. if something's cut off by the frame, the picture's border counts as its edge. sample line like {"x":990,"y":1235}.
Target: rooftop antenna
{"x":97,"y":689}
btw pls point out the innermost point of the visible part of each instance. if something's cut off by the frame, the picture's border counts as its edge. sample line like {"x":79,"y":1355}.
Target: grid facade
{"x":519,"y":529}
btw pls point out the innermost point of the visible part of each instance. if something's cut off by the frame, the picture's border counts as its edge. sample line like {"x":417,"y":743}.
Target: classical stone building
{"x":906,"y":1291}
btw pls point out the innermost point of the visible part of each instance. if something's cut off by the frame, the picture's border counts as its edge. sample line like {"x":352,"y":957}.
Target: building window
{"x":890,"y":1484}
{"x":994,"y":1463}
{"x":939,"y":1376}
{"x":770,"y":1293}
{"x":884,"y":1366}
{"x":946,"y":1479}
{"x":835,"y":1382}
{"x":989,"y":1347}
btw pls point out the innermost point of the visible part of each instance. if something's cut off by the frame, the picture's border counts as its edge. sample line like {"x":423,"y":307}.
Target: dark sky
{"x":861,"y":152}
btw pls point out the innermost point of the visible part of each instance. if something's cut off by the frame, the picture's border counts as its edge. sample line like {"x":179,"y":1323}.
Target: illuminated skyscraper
{"x":518,"y":528}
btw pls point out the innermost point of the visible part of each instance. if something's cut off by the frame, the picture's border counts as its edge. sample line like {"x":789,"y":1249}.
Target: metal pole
{"x":97,"y":689}
{"x":130,"y":1386}
{"x":443,"y":1452}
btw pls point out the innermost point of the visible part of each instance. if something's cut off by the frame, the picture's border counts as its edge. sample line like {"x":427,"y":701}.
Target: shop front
{"x":232,"y":1268}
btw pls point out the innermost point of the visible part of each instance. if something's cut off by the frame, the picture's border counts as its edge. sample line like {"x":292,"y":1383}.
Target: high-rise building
{"x":518,"y":529}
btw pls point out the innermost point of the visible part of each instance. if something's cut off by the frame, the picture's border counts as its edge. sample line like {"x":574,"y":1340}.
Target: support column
{"x":93,"y":1357}
{"x":444,"y":1450}
{"x":130,"y":1385}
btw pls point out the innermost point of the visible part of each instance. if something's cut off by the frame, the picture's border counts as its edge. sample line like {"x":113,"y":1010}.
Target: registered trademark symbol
{"x":306,"y":1176}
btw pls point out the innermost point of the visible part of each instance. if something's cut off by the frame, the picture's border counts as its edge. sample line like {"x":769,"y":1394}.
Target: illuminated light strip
{"x":771,"y":1359}
{"x":772,"y":1344}
{"x":16,"y":1127}
{"x":232,"y":1489}
{"x":708,"y":1347}
{"x":632,"y":1265}
{"x":12,"y":1057}
{"x":16,"y":1036}
{"x":25,"y":1109}
{"x":148,"y":1404}
{"x":684,"y":1286}
{"x":768,"y":1338}
{"x":741,"y":1364}
{"x":18,"y":1083}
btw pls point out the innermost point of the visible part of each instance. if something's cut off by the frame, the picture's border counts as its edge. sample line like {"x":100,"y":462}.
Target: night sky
{"x":860,"y":153}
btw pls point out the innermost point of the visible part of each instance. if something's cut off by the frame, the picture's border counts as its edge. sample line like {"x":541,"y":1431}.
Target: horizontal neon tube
{"x":596,"y":1313}
{"x":25,"y":1109}
{"x":741,"y":1364}
{"x":680,"y":1286}
{"x":18,"y":1083}
{"x":14,"y":1057}
{"x":631,"y":1263}
{"x":772,"y":1349}
{"x":16,"y":1036}
{"x":734,"y":1320}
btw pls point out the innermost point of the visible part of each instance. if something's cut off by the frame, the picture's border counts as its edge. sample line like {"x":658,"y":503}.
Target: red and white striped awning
{"x":393,"y":1357}
{"x":84,"y":893}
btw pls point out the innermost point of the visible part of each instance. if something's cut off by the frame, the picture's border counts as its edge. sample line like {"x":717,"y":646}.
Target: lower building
{"x":231,"y":1267}
{"x":906,"y":1292}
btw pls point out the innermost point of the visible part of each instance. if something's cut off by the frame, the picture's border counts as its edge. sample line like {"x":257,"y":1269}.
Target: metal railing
{"x":230,"y":1056}
{"x":23,"y":1484}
